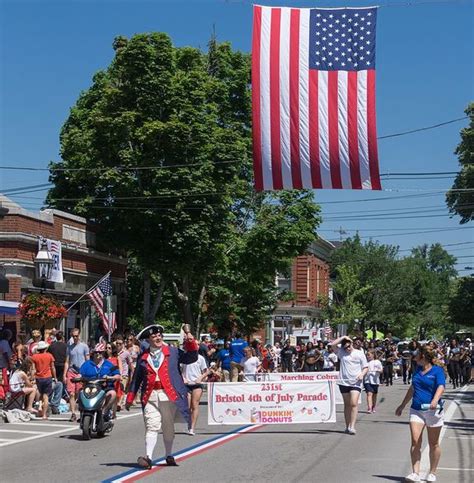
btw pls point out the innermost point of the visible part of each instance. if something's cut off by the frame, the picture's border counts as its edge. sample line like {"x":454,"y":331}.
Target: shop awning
{"x":9,"y":308}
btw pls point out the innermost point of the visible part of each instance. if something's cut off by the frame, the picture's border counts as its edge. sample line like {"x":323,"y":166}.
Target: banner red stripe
{"x":294,"y":98}
{"x":352,"y":130}
{"x":275,"y":98}
{"x":372,"y":132}
{"x":256,"y":121}
{"x":314,"y":158}
{"x":333,"y":127}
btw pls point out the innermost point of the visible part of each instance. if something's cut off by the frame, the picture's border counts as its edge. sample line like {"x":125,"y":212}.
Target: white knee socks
{"x":150,"y":442}
{"x":168,"y":446}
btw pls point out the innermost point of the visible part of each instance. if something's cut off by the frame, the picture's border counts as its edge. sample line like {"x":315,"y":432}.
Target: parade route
{"x":303,"y":453}
{"x":17,"y":433}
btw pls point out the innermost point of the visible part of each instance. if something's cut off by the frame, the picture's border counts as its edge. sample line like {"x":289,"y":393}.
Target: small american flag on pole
{"x":313,"y":98}
{"x":97,"y":294}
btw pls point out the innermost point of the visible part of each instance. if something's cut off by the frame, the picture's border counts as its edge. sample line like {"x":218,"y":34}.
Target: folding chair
{"x":14,"y":400}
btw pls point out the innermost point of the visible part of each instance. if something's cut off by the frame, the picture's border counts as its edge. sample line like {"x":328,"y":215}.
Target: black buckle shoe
{"x":170,"y":461}
{"x":144,"y":462}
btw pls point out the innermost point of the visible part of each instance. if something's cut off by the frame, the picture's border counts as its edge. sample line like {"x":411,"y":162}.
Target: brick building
{"x":82,"y":264}
{"x":308,"y":282}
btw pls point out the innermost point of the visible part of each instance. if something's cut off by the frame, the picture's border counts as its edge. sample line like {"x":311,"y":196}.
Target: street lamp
{"x":43,"y":263}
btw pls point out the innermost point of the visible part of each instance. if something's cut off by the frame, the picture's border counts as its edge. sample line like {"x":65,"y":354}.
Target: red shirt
{"x":42,"y":361}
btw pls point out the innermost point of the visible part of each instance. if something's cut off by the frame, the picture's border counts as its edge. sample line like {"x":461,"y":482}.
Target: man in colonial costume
{"x":163,"y":393}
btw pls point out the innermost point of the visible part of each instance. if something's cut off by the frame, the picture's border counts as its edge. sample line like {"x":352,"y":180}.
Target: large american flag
{"x":313,"y":98}
{"x":97,"y":294}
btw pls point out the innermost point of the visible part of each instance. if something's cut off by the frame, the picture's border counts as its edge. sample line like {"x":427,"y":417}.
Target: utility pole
{"x":341,"y":232}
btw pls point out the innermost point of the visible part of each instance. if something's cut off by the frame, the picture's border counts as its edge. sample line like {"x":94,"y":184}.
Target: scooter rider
{"x":163,"y":392}
{"x":99,"y":367}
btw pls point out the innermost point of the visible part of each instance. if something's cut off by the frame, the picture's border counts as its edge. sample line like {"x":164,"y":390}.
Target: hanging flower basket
{"x":39,"y":310}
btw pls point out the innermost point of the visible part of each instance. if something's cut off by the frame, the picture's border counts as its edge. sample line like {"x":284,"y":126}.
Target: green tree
{"x":460,"y":198}
{"x":461,"y":305}
{"x":349,"y":293}
{"x":407,"y":296}
{"x":376,"y":267}
{"x":278,"y":230}
{"x":157,"y":152}
{"x":429,"y":273}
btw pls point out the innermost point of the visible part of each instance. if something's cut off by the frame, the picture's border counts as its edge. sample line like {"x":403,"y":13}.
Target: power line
{"x":417,"y":232}
{"x":118,"y":168}
{"x":417,"y":209}
{"x":190,"y":165}
{"x":387,"y":229}
{"x":434,"y":126}
{"x":448,"y":245}
{"x":175,"y":194}
{"x":22,"y":188}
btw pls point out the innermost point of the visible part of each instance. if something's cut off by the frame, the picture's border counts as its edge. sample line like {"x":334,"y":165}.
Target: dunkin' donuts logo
{"x":273,"y":416}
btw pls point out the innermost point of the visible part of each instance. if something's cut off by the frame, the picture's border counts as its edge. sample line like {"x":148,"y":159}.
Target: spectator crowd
{"x":37,"y":372}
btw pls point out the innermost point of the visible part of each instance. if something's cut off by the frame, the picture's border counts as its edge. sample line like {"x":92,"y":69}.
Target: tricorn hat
{"x":151,"y":329}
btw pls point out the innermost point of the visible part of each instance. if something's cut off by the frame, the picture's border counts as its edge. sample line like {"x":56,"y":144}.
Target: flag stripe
{"x":314,"y":146}
{"x":304,"y":130}
{"x":294,"y":98}
{"x":285,"y":98}
{"x":352,"y":130}
{"x":265,"y":99}
{"x":275,"y":98}
{"x":362,"y":129}
{"x":256,"y":127}
{"x":323,"y":130}
{"x":333,"y":129}
{"x":372,"y":131}
{"x":342,"y":130}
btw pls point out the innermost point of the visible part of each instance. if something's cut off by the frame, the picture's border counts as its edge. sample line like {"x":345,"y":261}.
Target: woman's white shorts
{"x":433,"y":418}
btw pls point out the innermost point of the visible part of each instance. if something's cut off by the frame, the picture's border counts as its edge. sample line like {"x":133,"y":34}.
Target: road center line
{"x":135,"y":475}
{"x":32,"y":423}
{"x":456,"y":469}
{"x":38,"y":436}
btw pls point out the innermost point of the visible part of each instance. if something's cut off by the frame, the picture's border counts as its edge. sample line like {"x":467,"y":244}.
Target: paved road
{"x":54,"y":451}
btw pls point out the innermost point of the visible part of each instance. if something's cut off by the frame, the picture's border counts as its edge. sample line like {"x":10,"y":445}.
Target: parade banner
{"x":271,"y":403}
{"x":332,"y":376}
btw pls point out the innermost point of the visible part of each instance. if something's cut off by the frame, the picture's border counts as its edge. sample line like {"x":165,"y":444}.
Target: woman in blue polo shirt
{"x":426,"y":409}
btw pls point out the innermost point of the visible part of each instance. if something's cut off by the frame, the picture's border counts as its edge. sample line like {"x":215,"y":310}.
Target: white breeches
{"x":160,"y":413}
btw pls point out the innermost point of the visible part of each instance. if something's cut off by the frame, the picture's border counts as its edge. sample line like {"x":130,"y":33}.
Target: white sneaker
{"x":351,"y":431}
{"x":413,"y":477}
{"x":431,"y":477}
{"x":191,"y":432}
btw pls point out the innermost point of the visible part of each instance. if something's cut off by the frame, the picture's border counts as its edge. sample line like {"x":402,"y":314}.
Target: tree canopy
{"x":157,"y":152}
{"x":459,"y":199}
{"x":461,"y":306}
{"x":408,"y":296}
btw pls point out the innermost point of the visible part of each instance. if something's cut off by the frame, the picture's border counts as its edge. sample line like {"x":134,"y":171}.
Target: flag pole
{"x":89,"y":290}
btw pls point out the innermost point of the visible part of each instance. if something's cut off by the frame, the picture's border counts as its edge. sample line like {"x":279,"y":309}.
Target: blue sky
{"x":50,"y":51}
